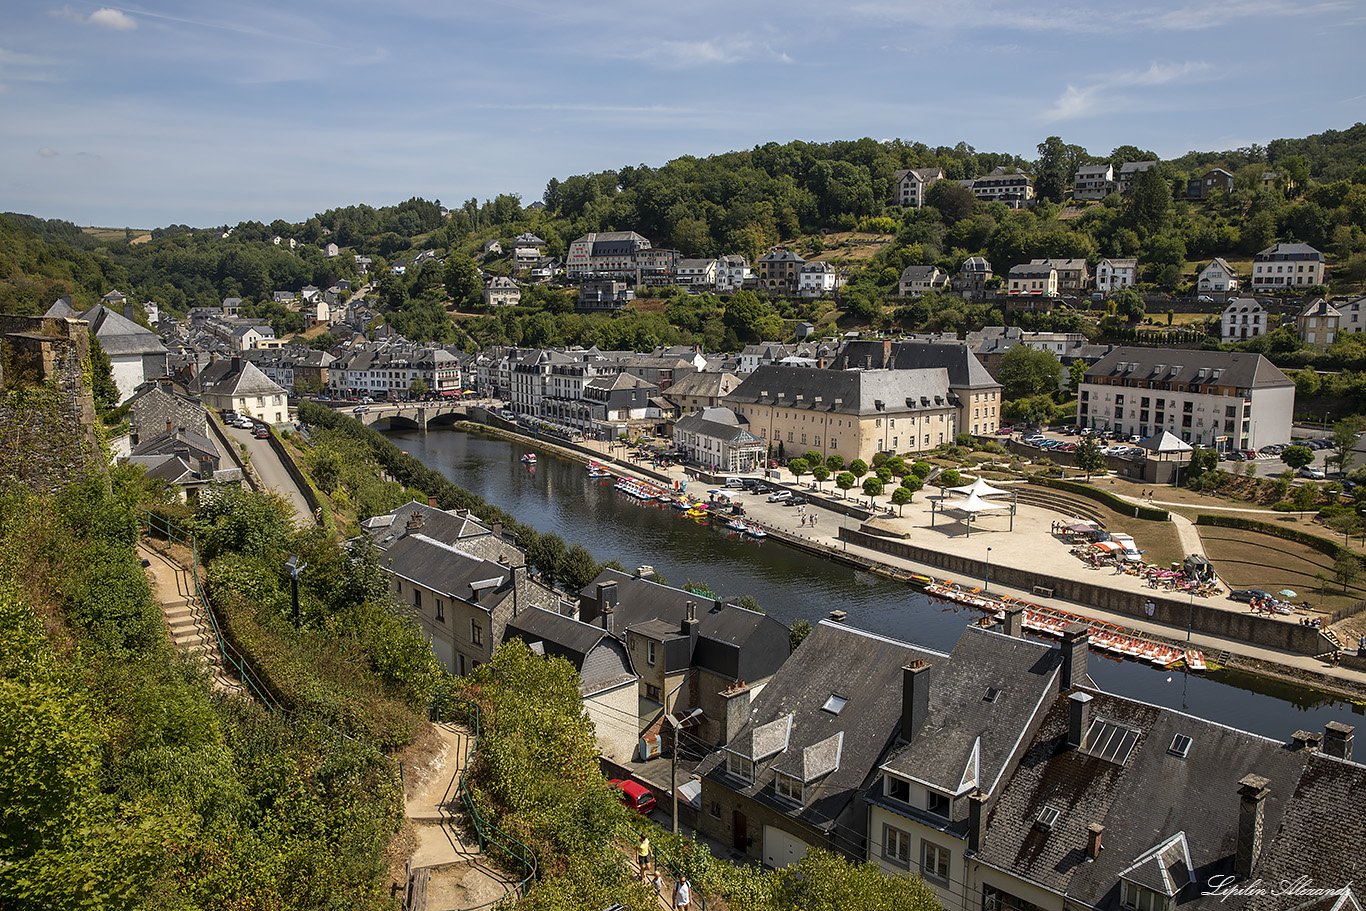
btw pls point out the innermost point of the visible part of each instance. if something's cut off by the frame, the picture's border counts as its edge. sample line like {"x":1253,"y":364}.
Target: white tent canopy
{"x":1165,"y":443}
{"x":973,"y":503}
{"x":979,"y":488}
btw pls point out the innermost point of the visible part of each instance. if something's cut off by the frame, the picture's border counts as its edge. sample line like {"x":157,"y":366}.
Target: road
{"x":271,"y":472}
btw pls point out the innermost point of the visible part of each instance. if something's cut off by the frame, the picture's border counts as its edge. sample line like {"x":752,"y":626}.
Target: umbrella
{"x":1287,"y":592}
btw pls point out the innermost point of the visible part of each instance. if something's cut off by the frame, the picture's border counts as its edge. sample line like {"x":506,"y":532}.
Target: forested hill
{"x":744,"y":202}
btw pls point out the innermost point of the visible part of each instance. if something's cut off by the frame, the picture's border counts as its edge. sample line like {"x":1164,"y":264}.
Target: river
{"x":556,"y":495}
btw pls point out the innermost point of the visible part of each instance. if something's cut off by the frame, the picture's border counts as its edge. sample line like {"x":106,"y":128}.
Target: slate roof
{"x":1324,"y":810}
{"x":1218,"y":263}
{"x":1236,"y":368}
{"x":177,"y":441}
{"x":443,"y":568}
{"x":120,"y":336}
{"x":458,"y":531}
{"x":1282,"y":252}
{"x":63,"y":309}
{"x":602,"y":662}
{"x":835,"y":659}
{"x":919,"y":273}
{"x":963,"y":368}
{"x":717,"y":423}
{"x":1149,"y":799}
{"x":703,"y":383}
{"x":975,"y":264}
{"x":235,"y":376}
{"x":964,"y":726}
{"x":1320,"y":307}
{"x":858,"y":391}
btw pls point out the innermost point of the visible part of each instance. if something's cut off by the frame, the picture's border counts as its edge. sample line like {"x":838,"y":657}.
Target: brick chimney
{"x":690,"y":621}
{"x":1252,"y":792}
{"x":1078,"y":717}
{"x":1093,"y":845}
{"x":915,"y":698}
{"x":1307,"y":740}
{"x":1337,"y":739}
{"x":1076,"y":642}
{"x":205,"y":468}
{"x":838,"y":616}
{"x":169,"y":427}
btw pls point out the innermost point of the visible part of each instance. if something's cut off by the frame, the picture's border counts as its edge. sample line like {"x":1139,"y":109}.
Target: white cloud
{"x":680,"y":55}
{"x":1107,"y":92}
{"x":106,"y":17}
{"x":45,"y":152}
{"x":118,"y":20}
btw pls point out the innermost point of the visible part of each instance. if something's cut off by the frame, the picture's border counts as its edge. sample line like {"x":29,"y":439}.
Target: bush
{"x":1322,"y":545}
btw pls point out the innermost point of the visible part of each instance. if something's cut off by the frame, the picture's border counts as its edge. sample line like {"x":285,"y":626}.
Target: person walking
{"x":683,"y":894}
{"x":643,"y":854}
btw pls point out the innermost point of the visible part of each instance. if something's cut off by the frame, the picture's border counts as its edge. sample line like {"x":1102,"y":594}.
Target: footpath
{"x":187,"y":621}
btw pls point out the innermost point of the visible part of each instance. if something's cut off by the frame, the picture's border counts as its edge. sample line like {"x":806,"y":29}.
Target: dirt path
{"x":450,"y":869}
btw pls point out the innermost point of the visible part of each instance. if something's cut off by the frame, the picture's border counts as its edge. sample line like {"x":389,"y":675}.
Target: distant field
{"x":862,"y":246}
{"x":114,"y":234}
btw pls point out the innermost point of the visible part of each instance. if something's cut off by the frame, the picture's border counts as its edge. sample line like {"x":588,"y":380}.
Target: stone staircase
{"x":187,"y":620}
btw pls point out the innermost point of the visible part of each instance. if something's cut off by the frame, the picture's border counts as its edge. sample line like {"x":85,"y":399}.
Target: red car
{"x":635,"y":796}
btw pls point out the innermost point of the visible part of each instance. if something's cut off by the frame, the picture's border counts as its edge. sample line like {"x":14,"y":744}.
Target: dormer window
{"x":897,"y":788}
{"x":938,"y":804}
{"x":740,"y":767}
{"x":788,"y":788}
{"x":1137,"y":898}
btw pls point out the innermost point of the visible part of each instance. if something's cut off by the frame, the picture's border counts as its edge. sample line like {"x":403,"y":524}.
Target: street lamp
{"x":986,"y":581}
{"x":1190,"y":616}
{"x":294,"y":567}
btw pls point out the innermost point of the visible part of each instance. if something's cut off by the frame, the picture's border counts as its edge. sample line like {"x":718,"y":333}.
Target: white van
{"x":735,"y":483}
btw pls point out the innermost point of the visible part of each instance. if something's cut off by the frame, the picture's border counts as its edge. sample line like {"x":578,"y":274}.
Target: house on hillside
{"x":916,"y":280}
{"x":1287,"y":266}
{"x":909,"y":186}
{"x":1243,"y":318}
{"x":1116,"y":274}
{"x":1093,"y":181}
{"x":1217,"y":277}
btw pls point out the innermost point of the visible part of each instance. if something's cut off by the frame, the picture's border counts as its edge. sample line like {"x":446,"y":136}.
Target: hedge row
{"x":1322,"y":545}
{"x":1118,"y":504}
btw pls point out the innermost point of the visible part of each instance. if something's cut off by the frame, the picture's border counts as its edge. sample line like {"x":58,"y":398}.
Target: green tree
{"x":751,"y":603}
{"x":103,"y":388}
{"x":546,"y":553}
{"x":1027,"y":372}
{"x":835,"y":462}
{"x":1150,"y":202}
{"x":900,"y":497}
{"x":578,"y":568}
{"x":921,"y":469}
{"x":461,"y":280}
{"x":798,"y":467}
{"x":1088,"y":456}
{"x":1346,"y":569}
{"x":417,"y":388}
{"x":821,"y":474}
{"x":821,"y":881}
{"x":1345,"y":434}
{"x":845,"y":481}
{"x":797,"y":634}
{"x":1129,"y":305}
{"x":953,"y":201}
{"x":872,"y":487}
{"x":950,"y":478}
{"x":813,"y":458}
{"x":1304,"y":497}
{"x":1075,"y":374}
{"x":858,"y":467}
{"x":1297,"y":456}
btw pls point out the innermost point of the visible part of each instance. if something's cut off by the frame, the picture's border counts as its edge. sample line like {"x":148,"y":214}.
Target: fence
{"x":152,"y":524}
{"x":490,"y":836}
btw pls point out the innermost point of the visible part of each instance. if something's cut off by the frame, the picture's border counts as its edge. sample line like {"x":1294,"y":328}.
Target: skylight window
{"x":993,"y":692}
{"x":834,"y":704}
{"x":1109,"y":741}
{"x":1181,"y":745}
{"x":1047,"y":818}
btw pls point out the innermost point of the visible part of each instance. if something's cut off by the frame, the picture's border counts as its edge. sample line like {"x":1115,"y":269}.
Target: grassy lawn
{"x":1245,"y":559}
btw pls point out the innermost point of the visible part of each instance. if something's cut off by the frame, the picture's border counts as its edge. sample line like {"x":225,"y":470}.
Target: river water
{"x":557,"y":496}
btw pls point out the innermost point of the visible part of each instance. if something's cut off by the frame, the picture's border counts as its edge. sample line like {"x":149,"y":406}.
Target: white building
{"x":1216,"y":399}
{"x":910,"y":186}
{"x":1243,"y":318}
{"x":1033,"y":279}
{"x":1116,"y":274}
{"x":816,"y":278}
{"x":501,"y":291}
{"x":1287,"y":266}
{"x":731,"y":272}
{"x":717,"y":438}
{"x":1217,"y":277}
{"x":1352,"y":311}
{"x":1093,"y":181}
{"x":696,"y":273}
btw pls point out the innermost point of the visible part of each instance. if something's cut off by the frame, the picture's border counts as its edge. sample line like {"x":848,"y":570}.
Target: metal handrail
{"x":489,"y":834}
{"x":175,"y":534}
{"x":699,"y":900}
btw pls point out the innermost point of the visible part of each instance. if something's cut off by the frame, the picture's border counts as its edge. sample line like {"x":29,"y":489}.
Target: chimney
{"x":206,"y":468}
{"x":1252,"y":791}
{"x":496,"y":528}
{"x":1337,"y":739}
{"x":915,"y":698}
{"x":431,"y":501}
{"x":1076,"y":640}
{"x":1093,"y":845}
{"x":130,"y":311}
{"x":169,"y":426}
{"x":1307,"y":740}
{"x":462,"y":513}
{"x":976,"y":803}
{"x":886,"y":352}
{"x":518,"y":586}
{"x":837,"y":616}
{"x":1078,"y":717}
{"x":1014,"y":621}
{"x":415,"y":521}
{"x":607,"y":604}
{"x":689,"y":625}
{"x":735,"y":713}
{"x":237,"y":363}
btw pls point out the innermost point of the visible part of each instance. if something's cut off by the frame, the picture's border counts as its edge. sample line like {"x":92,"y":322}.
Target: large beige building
{"x":853,"y":413}
{"x":978,"y":394}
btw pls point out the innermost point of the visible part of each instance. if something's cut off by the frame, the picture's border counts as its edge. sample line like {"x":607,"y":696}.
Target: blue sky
{"x":207,"y":114}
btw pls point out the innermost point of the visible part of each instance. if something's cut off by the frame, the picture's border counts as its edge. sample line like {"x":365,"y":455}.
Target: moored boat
{"x":529,"y":459}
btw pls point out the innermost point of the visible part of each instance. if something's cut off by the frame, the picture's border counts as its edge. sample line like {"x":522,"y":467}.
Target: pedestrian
{"x":683,"y":893}
{"x":658,"y":883}
{"x":643,"y":853}
{"x":1150,"y":608}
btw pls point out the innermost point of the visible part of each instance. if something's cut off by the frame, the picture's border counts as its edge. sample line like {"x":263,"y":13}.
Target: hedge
{"x":1322,"y":545}
{"x":1118,"y":504}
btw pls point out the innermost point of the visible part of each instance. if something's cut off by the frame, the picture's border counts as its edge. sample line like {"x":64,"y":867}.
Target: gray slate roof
{"x":718,"y":424}
{"x":1151,"y":797}
{"x":602,"y":662}
{"x":859,"y":391}
{"x":1238,"y":369}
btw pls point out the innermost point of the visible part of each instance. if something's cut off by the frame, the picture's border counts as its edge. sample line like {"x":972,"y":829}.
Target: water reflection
{"x":558,"y":496}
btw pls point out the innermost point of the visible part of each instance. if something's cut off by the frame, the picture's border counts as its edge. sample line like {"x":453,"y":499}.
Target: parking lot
{"x":1265,"y":462}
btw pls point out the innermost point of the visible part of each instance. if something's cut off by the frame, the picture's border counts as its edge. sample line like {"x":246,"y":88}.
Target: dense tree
{"x":1297,"y":456}
{"x":1028,"y":371}
{"x":1088,"y":456}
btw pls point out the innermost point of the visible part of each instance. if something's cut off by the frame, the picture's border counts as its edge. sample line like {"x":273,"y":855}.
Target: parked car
{"x":261,"y":433}
{"x":635,"y":795}
{"x":1314,"y":474}
{"x":779,"y":495}
{"x":1246,"y":595}
{"x":1205,"y":299}
{"x":795,"y":500}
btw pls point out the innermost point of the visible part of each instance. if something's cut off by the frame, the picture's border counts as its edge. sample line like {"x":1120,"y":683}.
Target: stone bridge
{"x":408,"y":415}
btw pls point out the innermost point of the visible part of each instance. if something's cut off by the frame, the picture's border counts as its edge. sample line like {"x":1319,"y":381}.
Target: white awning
{"x":974,"y":503}
{"x":979,"y":488}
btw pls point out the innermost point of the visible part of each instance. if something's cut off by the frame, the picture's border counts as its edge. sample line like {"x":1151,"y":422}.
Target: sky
{"x":210,"y":114}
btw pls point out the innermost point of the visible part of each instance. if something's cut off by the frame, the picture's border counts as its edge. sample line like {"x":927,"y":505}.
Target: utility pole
{"x":294,"y":567}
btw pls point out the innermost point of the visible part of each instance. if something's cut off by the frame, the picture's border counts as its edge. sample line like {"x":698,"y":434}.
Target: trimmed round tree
{"x":845,"y":481}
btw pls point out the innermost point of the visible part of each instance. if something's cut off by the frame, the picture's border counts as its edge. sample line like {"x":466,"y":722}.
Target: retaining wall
{"x":1256,"y":629}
